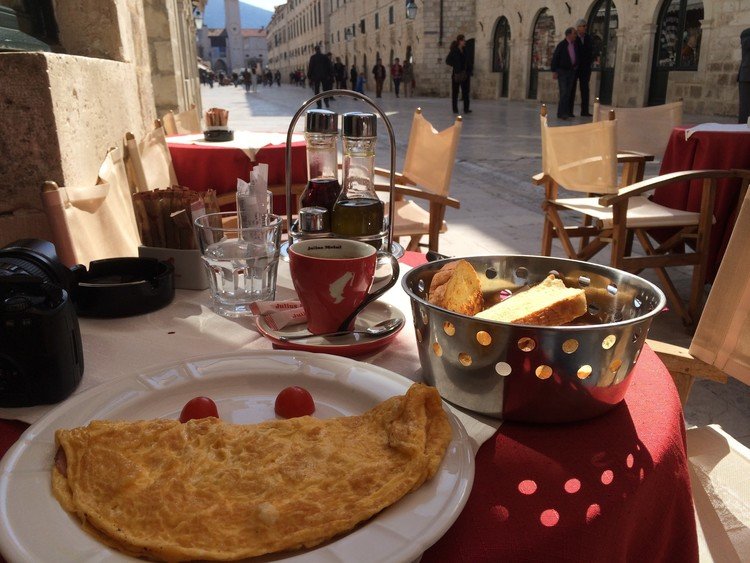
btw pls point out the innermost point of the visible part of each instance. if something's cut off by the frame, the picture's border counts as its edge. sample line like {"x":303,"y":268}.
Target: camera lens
{"x":34,"y":257}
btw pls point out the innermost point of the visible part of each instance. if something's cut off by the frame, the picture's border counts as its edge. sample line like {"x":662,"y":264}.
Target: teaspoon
{"x":380,"y":329}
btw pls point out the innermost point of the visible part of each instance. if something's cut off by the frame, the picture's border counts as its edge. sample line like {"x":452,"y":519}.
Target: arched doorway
{"x":677,"y":44}
{"x":603,"y":24}
{"x":501,"y":53}
{"x":542,"y":47}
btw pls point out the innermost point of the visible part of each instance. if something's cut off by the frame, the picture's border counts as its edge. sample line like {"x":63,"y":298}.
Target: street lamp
{"x":198,"y":17}
{"x":411,"y":9}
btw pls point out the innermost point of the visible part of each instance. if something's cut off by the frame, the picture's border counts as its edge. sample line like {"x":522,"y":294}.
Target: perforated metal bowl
{"x":532,"y":373}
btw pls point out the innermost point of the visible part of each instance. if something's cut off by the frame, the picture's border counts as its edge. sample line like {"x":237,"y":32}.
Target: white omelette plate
{"x":34,"y":527}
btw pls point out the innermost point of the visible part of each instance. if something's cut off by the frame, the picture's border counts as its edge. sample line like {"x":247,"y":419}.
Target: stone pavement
{"x":500,"y":209}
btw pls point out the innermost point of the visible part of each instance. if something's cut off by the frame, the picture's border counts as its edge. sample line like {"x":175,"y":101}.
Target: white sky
{"x":265,"y":4}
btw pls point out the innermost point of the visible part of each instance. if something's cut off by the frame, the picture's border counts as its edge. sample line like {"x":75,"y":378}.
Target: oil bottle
{"x":358,"y":211}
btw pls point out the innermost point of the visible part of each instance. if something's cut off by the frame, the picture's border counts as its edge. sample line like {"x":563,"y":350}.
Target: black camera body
{"x":41,"y":356}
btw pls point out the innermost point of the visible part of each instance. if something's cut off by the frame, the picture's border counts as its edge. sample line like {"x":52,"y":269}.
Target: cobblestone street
{"x":500,"y":209}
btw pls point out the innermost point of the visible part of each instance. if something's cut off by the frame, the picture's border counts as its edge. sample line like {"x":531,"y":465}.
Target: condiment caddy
{"x":328,"y":208}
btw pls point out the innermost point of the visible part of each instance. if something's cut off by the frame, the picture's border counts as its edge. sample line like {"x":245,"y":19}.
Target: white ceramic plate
{"x":34,"y":527}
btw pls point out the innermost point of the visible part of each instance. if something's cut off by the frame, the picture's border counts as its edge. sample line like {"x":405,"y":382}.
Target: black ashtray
{"x":121,"y":287}
{"x":217,"y":135}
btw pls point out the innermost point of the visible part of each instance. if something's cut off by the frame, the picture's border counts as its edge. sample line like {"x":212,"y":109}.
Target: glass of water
{"x":241,"y":263}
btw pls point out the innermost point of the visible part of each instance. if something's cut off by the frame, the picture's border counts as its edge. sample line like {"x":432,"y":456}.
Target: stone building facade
{"x":651,"y":50}
{"x":116,"y":66}
{"x":232,"y":48}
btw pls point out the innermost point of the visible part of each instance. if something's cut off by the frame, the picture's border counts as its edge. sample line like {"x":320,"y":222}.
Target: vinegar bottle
{"x":323,"y":188}
{"x":358,"y":211}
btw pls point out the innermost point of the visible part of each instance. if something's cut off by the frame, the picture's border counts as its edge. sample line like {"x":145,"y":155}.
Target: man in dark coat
{"x":743,"y":78}
{"x":461,"y":64}
{"x":585,"y":50}
{"x":378,"y":72}
{"x":319,"y":71}
{"x":564,"y":64}
{"x":339,"y":72}
{"x":353,"y":77}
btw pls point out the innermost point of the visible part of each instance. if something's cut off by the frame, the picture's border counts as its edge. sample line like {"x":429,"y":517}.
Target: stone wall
{"x":59,"y":113}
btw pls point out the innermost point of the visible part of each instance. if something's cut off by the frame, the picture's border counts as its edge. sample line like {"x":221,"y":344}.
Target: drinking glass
{"x":241,"y":263}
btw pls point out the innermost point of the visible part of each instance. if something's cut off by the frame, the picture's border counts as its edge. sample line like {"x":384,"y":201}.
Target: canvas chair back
{"x":722,"y":338}
{"x":644,"y":130}
{"x":183,"y":123}
{"x":581,"y":158}
{"x":431,"y":154}
{"x":93,"y":222}
{"x":149,"y":163}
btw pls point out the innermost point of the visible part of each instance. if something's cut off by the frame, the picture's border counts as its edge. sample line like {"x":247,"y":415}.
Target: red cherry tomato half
{"x":199,"y":407}
{"x":293,"y":402}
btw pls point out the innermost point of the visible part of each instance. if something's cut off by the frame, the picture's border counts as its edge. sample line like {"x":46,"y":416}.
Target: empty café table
{"x":707,"y":146}
{"x":202,"y":165}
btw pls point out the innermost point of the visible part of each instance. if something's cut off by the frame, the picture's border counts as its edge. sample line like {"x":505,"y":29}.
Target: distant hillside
{"x":250,"y":16}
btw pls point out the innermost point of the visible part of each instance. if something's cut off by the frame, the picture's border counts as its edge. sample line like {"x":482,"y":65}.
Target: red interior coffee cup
{"x":333,"y":278}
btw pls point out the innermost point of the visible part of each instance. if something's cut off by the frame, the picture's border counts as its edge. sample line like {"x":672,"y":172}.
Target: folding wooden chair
{"x":93,"y":222}
{"x":643,"y":130}
{"x":584,"y":158}
{"x":183,"y":123}
{"x":428,"y":167}
{"x":148,"y":162}
{"x":719,"y":465}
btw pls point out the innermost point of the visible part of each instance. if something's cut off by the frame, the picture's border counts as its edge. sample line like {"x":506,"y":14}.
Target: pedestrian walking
{"x":247,"y":79}
{"x":585,"y":50}
{"x":319,"y":72}
{"x":458,"y":60}
{"x":361,"y":81}
{"x":563,"y":66}
{"x":743,"y":78}
{"x":397,"y":72}
{"x":408,"y":79}
{"x":331,"y":78}
{"x":353,"y":77}
{"x":339,"y":73}
{"x":378,"y":73}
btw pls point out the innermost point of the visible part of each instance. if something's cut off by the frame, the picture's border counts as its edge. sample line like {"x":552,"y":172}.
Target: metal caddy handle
{"x":288,"y":156}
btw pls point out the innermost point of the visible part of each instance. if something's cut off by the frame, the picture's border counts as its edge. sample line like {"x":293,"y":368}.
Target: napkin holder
{"x":218,"y":133}
{"x":189,"y":270}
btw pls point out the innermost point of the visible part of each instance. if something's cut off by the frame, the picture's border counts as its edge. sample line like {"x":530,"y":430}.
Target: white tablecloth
{"x":246,"y":141}
{"x":188,"y":329}
{"x":718,"y":128}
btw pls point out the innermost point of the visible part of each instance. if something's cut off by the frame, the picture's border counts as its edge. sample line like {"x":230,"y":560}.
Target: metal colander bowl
{"x":533,"y":373}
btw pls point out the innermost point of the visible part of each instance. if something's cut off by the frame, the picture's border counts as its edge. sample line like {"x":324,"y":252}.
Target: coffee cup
{"x":333,"y":279}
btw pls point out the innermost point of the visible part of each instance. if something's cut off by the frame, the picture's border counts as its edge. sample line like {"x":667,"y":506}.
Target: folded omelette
{"x":211,"y":490}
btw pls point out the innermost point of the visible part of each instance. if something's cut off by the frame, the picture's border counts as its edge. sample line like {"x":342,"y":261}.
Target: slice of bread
{"x":456,"y":287}
{"x":549,"y":303}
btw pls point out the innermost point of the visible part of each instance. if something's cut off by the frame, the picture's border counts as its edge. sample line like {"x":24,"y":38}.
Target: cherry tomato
{"x":293,"y":402}
{"x":199,"y":407}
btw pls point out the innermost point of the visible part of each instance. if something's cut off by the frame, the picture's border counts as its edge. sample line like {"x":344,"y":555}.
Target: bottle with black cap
{"x":323,"y":188}
{"x":358,"y":211}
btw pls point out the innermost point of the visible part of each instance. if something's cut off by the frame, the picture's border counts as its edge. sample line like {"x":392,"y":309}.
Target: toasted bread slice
{"x":456,"y":287}
{"x":549,"y":303}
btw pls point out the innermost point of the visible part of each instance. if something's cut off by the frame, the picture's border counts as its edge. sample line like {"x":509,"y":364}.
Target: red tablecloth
{"x":202,"y":167}
{"x":615,"y":488}
{"x":706,"y":150}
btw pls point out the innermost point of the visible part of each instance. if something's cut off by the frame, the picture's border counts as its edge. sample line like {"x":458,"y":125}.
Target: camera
{"x":41,"y":356}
